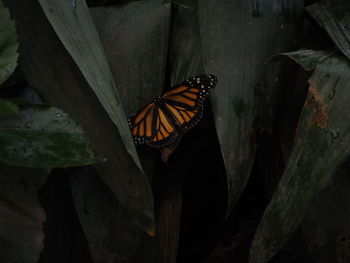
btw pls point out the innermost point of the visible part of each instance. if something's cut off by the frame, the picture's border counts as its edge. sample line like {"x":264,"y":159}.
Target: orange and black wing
{"x":165,"y":130}
{"x":190,"y":94}
{"x":185,"y":101}
{"x":142,"y":124}
{"x":185,"y":118}
{"x":152,"y":126}
{"x":180,"y":109}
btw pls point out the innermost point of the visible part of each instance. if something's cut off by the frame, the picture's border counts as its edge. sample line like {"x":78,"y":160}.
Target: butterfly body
{"x":160,"y":122}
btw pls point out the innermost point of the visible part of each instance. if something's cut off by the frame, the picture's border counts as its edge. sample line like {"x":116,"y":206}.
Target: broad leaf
{"x":8,"y":44}
{"x":21,"y":216}
{"x":322,"y":144}
{"x":138,"y":61}
{"x":185,"y":50}
{"x":334,"y":17}
{"x":74,"y":26}
{"x":42,"y":136}
{"x":142,"y":35}
{"x":325,"y":226}
{"x":307,"y":58}
{"x":55,"y":75}
{"x":112,"y":234}
{"x":238,"y":37}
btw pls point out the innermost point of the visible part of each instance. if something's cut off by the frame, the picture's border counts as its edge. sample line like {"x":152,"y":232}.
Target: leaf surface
{"x":21,"y":215}
{"x":321,"y":146}
{"x":75,"y":28}
{"x":334,"y":17}
{"x":112,"y":235}
{"x":59,"y":80}
{"x":42,"y":136}
{"x":238,"y":37}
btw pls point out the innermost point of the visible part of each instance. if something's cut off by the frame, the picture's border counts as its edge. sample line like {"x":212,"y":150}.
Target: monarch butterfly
{"x":161,"y":121}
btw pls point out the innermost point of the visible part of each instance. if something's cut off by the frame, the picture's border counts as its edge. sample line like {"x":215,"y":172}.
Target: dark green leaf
{"x":7,"y":108}
{"x":326,"y":227}
{"x":21,"y":216}
{"x":334,"y":17}
{"x":8,"y":44}
{"x":143,"y":36}
{"x":57,"y":78}
{"x":322,"y":143}
{"x":43,"y":137}
{"x":131,"y":31}
{"x":74,"y":26}
{"x":185,"y":51}
{"x":112,"y":234}
{"x":238,"y":37}
{"x":308,"y":58}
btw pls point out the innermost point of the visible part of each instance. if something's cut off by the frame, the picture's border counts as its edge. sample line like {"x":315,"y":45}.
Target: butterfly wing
{"x":142,"y":124}
{"x":191,"y":93}
{"x":185,"y":101}
{"x":185,"y":118}
{"x":165,"y":130}
{"x":181,"y":109}
{"x":151,"y":126}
